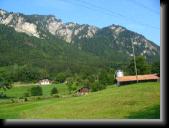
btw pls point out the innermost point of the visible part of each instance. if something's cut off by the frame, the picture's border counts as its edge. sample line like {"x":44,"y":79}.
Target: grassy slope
{"x":132,"y":101}
{"x":20,"y":89}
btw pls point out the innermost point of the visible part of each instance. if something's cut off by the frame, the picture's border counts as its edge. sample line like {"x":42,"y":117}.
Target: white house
{"x":44,"y":82}
{"x":119,"y":73}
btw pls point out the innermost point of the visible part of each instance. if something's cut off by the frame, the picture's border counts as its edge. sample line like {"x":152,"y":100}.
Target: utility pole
{"x":134,"y":62}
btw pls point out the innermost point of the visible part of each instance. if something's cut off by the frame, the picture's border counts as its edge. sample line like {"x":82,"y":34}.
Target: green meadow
{"x":19,"y":89}
{"x":135,"y":101}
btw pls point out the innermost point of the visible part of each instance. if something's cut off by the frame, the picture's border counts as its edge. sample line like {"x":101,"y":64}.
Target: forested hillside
{"x":41,"y":57}
{"x":34,"y":47}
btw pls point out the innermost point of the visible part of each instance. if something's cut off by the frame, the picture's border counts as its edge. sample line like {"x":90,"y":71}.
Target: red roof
{"x":140,"y":77}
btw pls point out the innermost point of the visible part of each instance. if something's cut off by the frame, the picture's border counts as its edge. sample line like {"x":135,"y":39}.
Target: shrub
{"x":56,"y":96}
{"x":60,"y":77}
{"x":54,"y":91}
{"x":96,"y":86}
{"x":2,"y":95}
{"x":26,"y":94}
{"x":39,"y":98}
{"x":5,"y":83}
{"x":103,"y":77}
{"x":12,"y":100}
{"x":26,"y":99}
{"x":69,"y":84}
{"x":36,"y":91}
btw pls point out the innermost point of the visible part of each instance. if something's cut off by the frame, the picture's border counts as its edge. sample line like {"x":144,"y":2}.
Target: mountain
{"x":40,"y":25}
{"x":43,"y":43}
{"x":113,"y":37}
{"x":25,"y":57}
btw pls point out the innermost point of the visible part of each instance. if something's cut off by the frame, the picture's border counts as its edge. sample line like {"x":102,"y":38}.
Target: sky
{"x":141,"y":16}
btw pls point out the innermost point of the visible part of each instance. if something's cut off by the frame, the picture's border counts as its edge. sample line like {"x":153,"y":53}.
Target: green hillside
{"x":136,"y":101}
{"x":27,"y":58}
{"x":41,"y":57}
{"x":56,"y":49}
{"x":118,"y":47}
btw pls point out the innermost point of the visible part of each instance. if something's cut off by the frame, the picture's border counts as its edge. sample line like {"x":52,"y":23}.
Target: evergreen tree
{"x":36,"y":91}
{"x":156,"y":67}
{"x":141,"y":64}
{"x":54,"y":91}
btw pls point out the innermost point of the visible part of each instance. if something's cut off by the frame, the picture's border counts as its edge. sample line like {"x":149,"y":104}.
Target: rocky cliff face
{"x":114,"y":36}
{"x":32,"y":26}
{"x":19,"y":23}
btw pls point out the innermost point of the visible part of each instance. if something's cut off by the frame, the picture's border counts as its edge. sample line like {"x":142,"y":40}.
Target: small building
{"x":44,"y":82}
{"x":119,"y":73}
{"x":82,"y":91}
{"x":141,"y":78}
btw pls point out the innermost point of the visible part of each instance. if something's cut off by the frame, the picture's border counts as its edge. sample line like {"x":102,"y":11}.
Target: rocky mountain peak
{"x":114,"y":36}
{"x":2,"y":12}
{"x":35,"y":25}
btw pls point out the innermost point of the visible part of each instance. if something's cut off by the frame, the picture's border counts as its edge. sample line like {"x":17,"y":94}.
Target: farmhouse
{"x":44,"y":82}
{"x":132,"y":79}
{"x":82,"y":91}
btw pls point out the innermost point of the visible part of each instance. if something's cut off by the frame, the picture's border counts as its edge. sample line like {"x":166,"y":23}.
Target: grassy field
{"x":136,"y":101}
{"x":19,"y":89}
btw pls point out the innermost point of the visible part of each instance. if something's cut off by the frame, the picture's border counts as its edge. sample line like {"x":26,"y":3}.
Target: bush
{"x":2,"y":95}
{"x":54,"y":91}
{"x":69,"y":84}
{"x":5,"y":83}
{"x":56,"y":96}
{"x":103,"y":77}
{"x":26,"y":94}
{"x":26,"y":99}
{"x":96,"y":86}
{"x":36,"y":91}
{"x":12,"y":100}
{"x":60,"y":77}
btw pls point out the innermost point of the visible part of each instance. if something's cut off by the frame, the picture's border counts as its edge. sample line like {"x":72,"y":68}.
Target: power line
{"x":85,"y":6}
{"x":109,"y":12}
{"x":118,"y":14}
{"x":99,"y":7}
{"x":145,"y":7}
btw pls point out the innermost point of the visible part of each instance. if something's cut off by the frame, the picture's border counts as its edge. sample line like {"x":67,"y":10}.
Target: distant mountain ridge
{"x":37,"y":25}
{"x":99,"y":41}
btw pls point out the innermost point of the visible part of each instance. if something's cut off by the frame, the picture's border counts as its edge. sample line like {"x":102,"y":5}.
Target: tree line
{"x":94,"y":80}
